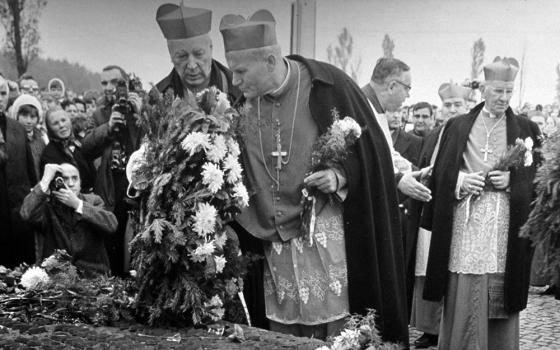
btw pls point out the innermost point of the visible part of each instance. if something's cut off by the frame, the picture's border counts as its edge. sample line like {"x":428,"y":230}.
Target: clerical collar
{"x":375,"y":101}
{"x":283,"y":87}
{"x":490,"y":115}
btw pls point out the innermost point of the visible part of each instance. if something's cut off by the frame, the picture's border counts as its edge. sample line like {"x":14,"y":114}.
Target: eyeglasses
{"x":407,"y":87}
{"x":422,"y":116}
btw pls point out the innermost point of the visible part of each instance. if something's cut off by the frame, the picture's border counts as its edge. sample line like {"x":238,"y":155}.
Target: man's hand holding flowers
{"x":499,"y":179}
{"x":326,"y":181}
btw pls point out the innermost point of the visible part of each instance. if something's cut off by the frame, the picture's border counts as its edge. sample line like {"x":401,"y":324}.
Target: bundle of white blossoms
{"x":34,"y":278}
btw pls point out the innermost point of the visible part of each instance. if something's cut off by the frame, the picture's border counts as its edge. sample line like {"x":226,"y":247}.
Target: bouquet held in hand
{"x":329,"y":152}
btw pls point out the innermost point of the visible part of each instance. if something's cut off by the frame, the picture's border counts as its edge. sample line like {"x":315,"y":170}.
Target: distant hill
{"x":75,"y":76}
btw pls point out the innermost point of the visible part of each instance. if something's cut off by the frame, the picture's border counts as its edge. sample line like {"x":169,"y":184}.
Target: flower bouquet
{"x":328,"y":152}
{"x":189,"y":185}
{"x":360,"y":333}
{"x":543,"y":223}
{"x":516,"y":156}
{"x":56,"y":290}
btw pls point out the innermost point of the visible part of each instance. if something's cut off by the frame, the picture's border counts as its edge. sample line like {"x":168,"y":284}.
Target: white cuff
{"x":460,"y":179}
{"x":80,"y":208}
{"x":44,"y":188}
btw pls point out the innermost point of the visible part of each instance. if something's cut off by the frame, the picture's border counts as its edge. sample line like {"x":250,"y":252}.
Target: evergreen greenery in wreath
{"x":188,"y":181}
{"x":543,"y":224}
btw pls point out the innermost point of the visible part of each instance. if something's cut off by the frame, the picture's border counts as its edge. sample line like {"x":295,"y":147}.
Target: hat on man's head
{"x":257,"y":31}
{"x":181,"y":22}
{"x":502,"y":69}
{"x":453,"y":90}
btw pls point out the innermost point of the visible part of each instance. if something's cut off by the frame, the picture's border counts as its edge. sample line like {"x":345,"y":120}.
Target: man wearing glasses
{"x":387,"y":90}
{"x":28,"y":85}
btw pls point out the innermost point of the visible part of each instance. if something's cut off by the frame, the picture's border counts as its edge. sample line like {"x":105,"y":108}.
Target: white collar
{"x":284,"y":83}
{"x":490,"y":114}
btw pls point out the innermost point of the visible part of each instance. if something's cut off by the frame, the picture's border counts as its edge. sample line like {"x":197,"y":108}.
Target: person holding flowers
{"x":325,"y":208}
{"x":477,"y":262}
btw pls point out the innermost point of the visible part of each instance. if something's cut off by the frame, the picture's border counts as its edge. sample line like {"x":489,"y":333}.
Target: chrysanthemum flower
{"x":220,"y":263}
{"x":212,"y":177}
{"x":34,"y":277}
{"x":220,"y":240}
{"x":217,"y":150}
{"x":240,"y":191}
{"x":233,"y":147}
{"x":205,"y":219}
{"x":204,"y":250}
{"x":195,"y":141}
{"x":233,"y":168}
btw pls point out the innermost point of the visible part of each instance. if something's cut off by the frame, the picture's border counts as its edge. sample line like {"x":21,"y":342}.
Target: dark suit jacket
{"x":408,"y":145}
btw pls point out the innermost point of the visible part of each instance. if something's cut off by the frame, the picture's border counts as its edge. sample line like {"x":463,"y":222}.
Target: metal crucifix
{"x":278,"y":153}
{"x":486,"y":150}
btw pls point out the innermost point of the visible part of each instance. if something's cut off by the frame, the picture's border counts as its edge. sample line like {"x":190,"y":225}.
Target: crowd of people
{"x":424,"y":229}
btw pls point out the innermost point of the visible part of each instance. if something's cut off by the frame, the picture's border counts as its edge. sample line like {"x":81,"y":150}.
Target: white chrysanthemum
{"x":220,"y":240}
{"x":217,"y":150}
{"x":240,"y":191}
{"x":195,"y":141}
{"x":34,"y":277}
{"x":212,"y":177}
{"x":233,"y":147}
{"x":349,"y":125}
{"x":348,"y":339}
{"x":233,"y":168}
{"x":216,"y":301}
{"x":222,"y":104}
{"x":203,"y":250}
{"x":220,"y":263}
{"x":205,"y":219}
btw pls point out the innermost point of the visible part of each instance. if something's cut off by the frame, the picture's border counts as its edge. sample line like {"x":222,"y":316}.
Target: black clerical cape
{"x":374,"y":249}
{"x":438,"y":214}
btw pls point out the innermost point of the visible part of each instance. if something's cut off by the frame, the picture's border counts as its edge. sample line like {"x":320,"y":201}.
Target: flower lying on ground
{"x":34,"y":278}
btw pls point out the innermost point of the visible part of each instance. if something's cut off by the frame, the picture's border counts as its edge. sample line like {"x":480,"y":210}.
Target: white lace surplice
{"x":307,"y":283}
{"x":480,"y":234}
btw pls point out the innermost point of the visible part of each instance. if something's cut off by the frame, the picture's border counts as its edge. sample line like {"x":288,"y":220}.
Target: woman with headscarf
{"x":65,"y":148}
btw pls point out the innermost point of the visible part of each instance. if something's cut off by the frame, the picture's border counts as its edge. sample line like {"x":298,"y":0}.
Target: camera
{"x":57,"y":183}
{"x":118,"y":157}
{"x":122,"y":105}
{"x":474,"y":84}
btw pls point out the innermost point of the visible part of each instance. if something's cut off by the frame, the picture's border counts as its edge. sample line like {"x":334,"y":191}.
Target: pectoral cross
{"x":278,"y":153}
{"x":486,"y":150}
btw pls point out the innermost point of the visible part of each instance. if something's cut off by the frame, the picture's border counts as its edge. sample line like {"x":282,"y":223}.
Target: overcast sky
{"x":433,"y":36}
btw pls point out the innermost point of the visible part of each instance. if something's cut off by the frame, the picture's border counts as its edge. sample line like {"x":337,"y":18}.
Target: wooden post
{"x":304,"y":13}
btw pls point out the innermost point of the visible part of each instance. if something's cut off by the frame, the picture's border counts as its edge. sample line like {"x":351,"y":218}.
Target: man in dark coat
{"x":115,"y":136}
{"x":477,"y":262}
{"x":69,"y":220}
{"x":370,"y":226}
{"x":190,"y":48}
{"x":426,"y":315}
{"x":17,"y":176}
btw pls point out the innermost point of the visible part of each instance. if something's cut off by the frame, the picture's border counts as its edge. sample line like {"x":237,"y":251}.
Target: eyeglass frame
{"x":406,"y":86}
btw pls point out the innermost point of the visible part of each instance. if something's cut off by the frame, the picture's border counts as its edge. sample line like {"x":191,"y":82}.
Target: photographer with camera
{"x":68,"y":219}
{"x":114,"y":138}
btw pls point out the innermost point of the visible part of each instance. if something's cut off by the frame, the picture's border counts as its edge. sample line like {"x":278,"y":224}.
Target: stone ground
{"x":540,"y":329}
{"x":539,"y":324}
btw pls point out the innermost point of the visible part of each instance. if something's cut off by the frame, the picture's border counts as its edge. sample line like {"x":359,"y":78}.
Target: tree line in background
{"x":20,"y":49}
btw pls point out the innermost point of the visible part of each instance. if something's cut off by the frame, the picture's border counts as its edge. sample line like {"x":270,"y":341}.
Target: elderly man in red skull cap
{"x":190,"y":48}
{"x":477,"y":262}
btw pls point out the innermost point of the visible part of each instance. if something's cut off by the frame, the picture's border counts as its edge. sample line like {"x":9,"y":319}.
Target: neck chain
{"x":278,"y":151}
{"x":486,"y":148}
